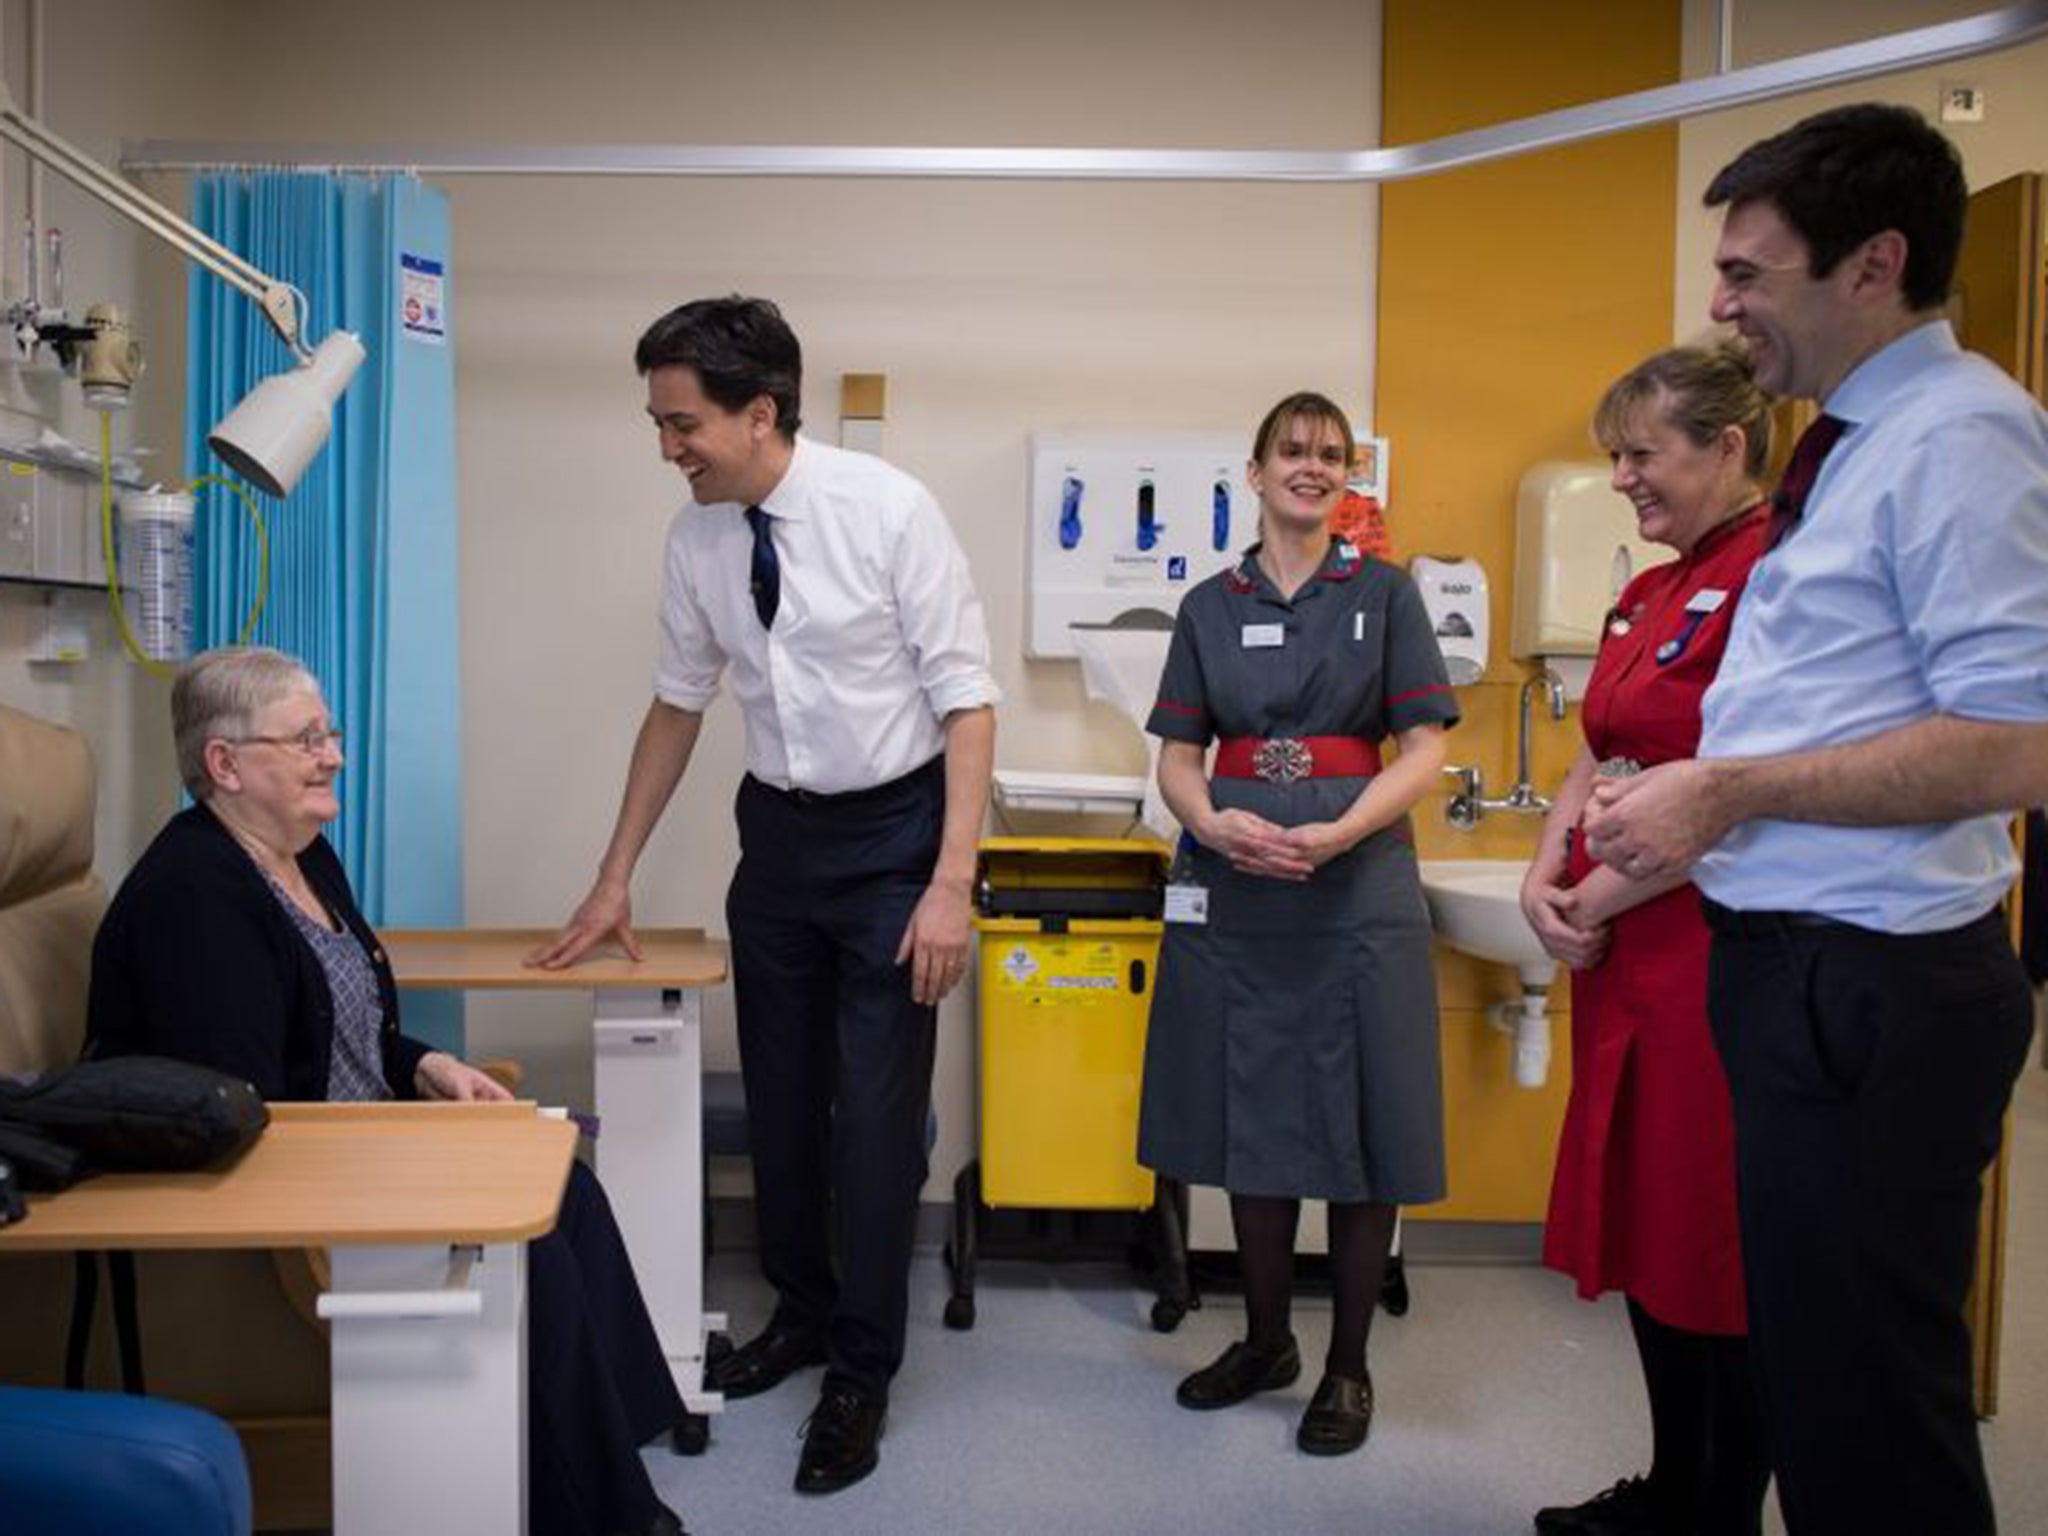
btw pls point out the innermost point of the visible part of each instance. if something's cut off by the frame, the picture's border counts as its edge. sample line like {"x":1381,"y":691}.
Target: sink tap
{"x":1471,"y":800}
{"x":1523,"y":796}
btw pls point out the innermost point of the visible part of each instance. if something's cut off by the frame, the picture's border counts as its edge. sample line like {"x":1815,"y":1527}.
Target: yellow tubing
{"x":149,"y":663}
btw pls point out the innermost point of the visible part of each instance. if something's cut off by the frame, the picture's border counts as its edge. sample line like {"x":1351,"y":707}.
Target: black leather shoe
{"x":1237,"y":1373}
{"x":1338,"y":1417}
{"x":842,"y":1440}
{"x":1629,"y":1508}
{"x":763,"y":1361}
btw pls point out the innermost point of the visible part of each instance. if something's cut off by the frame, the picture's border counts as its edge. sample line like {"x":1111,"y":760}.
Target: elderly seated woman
{"x":235,"y":942}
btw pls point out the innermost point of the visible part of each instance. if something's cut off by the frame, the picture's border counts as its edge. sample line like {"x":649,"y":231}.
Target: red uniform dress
{"x":1644,"y":1197}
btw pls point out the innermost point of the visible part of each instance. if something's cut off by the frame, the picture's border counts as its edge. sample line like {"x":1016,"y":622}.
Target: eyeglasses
{"x":312,"y":741}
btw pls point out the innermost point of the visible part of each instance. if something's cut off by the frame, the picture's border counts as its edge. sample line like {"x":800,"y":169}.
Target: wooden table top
{"x":494,"y":959}
{"x":326,"y":1174}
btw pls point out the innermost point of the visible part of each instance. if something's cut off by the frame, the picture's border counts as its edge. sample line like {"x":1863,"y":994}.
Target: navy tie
{"x":767,"y":569}
{"x":1801,"y":470}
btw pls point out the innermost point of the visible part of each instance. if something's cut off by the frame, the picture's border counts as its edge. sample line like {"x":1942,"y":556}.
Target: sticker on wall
{"x":422,"y":298}
{"x":1360,"y":514}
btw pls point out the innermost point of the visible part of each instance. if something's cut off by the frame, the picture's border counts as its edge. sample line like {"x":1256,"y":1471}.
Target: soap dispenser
{"x":1454,"y":595}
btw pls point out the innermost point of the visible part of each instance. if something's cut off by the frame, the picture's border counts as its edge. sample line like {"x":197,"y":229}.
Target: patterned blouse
{"x":355,"y":1072}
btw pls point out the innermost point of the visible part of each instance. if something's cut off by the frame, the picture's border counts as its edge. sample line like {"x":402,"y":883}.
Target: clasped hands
{"x":1256,"y":846}
{"x":1569,"y":932}
{"x":1650,"y":826}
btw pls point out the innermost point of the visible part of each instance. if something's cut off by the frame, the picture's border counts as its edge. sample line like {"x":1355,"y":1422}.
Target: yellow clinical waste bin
{"x":1068,"y":933}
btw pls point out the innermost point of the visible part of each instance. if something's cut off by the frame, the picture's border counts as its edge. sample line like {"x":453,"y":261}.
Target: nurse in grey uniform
{"x":1292,"y":1051}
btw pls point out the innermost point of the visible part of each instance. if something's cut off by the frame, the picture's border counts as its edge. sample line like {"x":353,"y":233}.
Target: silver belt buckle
{"x":1620,"y":768}
{"x":1283,"y":760}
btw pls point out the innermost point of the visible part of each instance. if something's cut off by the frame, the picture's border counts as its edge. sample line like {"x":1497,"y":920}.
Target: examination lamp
{"x":272,"y":436}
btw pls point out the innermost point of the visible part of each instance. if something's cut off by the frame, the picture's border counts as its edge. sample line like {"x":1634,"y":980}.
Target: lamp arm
{"x":278,"y":301}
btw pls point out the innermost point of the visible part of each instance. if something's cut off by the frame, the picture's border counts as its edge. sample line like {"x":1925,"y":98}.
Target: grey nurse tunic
{"x":1293,"y":1048}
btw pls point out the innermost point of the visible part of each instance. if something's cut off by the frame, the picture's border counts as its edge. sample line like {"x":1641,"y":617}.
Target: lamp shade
{"x":271,"y":437}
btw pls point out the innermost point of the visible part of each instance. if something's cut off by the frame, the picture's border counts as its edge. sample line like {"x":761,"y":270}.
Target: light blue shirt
{"x":1916,"y":584}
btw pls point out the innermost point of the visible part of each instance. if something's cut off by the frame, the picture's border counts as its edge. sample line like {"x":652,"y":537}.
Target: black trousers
{"x":1869,"y":1074}
{"x":598,"y":1387}
{"x":836,"y":1055}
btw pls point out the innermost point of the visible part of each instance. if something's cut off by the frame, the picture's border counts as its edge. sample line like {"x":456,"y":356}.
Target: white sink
{"x":1476,"y":905}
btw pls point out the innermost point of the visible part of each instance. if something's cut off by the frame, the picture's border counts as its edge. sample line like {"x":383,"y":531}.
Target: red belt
{"x":1284,"y":759}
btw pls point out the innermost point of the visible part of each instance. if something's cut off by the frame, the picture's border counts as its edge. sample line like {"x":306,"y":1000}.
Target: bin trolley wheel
{"x":1394,"y":1287}
{"x":691,"y":1434}
{"x":960,"y":1253}
{"x":1170,"y":1272}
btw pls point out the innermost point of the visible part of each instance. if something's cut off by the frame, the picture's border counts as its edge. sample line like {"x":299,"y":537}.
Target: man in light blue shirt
{"x":1881,"y":711}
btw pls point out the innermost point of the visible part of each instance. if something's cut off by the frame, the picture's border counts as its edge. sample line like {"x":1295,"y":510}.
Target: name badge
{"x":1706,"y":600}
{"x":1187,"y":904}
{"x":1264,"y":637}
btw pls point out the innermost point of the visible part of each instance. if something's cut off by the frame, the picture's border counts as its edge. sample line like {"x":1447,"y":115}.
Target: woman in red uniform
{"x":1644,"y":1197}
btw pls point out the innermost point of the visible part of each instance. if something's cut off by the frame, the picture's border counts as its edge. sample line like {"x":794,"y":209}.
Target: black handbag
{"x":128,"y":1114}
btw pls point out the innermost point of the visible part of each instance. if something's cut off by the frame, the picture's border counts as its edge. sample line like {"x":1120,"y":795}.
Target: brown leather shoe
{"x":1239,"y":1372}
{"x":842,"y":1439}
{"x":1338,"y":1417}
{"x":763,"y":1361}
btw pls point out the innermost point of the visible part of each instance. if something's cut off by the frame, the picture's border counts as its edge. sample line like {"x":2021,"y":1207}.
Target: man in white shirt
{"x":1881,"y":710}
{"x":828,"y":588}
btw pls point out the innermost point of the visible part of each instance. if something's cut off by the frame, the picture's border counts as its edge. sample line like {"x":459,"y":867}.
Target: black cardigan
{"x":198,"y":960}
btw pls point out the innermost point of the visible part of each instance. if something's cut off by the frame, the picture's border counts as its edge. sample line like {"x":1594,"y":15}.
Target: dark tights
{"x":1709,"y":1466}
{"x":1360,"y":1236}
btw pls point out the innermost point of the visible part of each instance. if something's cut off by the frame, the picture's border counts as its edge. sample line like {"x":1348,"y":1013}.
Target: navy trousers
{"x":598,"y":1387}
{"x":1869,"y":1074}
{"x":836,"y":1055}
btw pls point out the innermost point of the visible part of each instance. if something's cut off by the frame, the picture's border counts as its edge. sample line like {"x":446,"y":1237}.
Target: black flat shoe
{"x":842,"y":1440}
{"x":1338,"y":1417}
{"x":1237,"y":1373}
{"x":763,"y":1361}
{"x":1627,"y":1509}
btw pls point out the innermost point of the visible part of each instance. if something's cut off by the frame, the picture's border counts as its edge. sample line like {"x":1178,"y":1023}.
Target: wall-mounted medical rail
{"x":1986,"y":32}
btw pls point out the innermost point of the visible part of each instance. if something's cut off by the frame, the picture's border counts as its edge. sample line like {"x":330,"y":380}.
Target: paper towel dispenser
{"x":1576,"y":547}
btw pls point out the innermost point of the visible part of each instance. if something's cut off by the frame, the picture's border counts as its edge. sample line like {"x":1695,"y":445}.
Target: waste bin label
{"x":1064,"y":974}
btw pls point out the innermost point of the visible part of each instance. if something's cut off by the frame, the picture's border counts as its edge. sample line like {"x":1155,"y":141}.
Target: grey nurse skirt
{"x":1293,"y":1042}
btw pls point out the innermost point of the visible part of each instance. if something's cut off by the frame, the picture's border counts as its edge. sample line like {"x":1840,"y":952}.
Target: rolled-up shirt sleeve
{"x":940,"y":614}
{"x":1181,"y":712}
{"x":1971,"y":531}
{"x":690,"y":661}
{"x":1418,"y":686}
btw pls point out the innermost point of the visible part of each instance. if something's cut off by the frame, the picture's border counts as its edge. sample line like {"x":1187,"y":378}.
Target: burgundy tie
{"x":1801,"y":470}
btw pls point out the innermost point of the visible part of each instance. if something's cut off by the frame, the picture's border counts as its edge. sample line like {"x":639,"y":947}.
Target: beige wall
{"x":994,"y":310}
{"x":95,"y":96}
{"x":2012,"y":138}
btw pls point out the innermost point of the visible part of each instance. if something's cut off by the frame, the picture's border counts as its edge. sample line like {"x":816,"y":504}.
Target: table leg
{"x":648,"y":1053}
{"x":429,"y":1390}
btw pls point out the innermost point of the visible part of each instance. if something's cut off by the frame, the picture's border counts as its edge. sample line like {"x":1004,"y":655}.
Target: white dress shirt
{"x":1915,"y":584}
{"x":877,"y":638}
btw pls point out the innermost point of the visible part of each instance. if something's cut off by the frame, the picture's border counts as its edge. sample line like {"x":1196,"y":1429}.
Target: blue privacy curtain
{"x":363,"y":557}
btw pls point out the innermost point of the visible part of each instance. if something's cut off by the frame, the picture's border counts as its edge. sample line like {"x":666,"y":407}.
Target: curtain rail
{"x":1986,"y":32}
